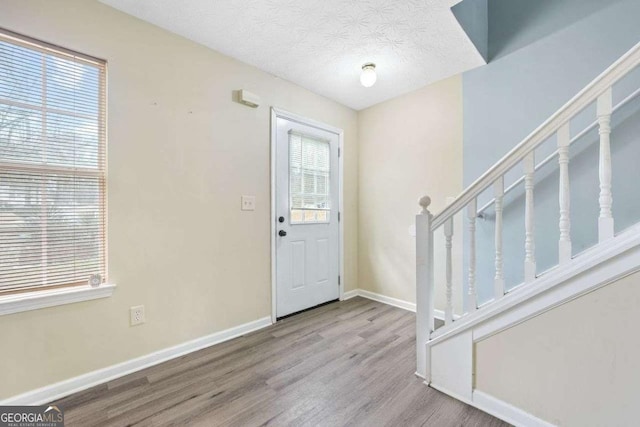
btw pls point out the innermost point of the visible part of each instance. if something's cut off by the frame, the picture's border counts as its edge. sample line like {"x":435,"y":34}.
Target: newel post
{"x":424,"y":287}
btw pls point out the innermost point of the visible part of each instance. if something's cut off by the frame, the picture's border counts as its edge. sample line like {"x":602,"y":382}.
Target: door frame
{"x":279,"y":113}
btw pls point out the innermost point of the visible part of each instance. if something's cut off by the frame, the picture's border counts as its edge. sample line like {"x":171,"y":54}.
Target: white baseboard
{"x":496,"y":407}
{"x":73,"y":385}
{"x":405,"y":305}
{"x":505,"y":411}
{"x":349,"y":294}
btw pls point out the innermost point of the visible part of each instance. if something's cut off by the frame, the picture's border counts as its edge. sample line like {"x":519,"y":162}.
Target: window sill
{"x":17,"y":303}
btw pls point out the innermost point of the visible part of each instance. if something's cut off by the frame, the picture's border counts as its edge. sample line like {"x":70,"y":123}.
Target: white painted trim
{"x":451,"y":365}
{"x":272,"y":218}
{"x":599,"y":265}
{"x":341,"y":207}
{"x":73,"y":385}
{"x":450,"y":393}
{"x":573,"y":288}
{"x":275,"y":113}
{"x":439,"y":314}
{"x":350,"y":294}
{"x":405,"y":305}
{"x":16,"y":303}
{"x":279,"y":112}
{"x":505,"y":411}
{"x":496,"y":407}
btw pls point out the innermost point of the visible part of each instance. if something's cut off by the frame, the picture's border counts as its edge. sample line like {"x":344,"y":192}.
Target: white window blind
{"x":309,"y":173}
{"x":52,"y":165}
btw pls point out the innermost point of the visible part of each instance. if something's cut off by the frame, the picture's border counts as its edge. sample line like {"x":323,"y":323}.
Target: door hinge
{"x":339,"y":152}
{"x":338,"y":280}
{"x":338,"y":216}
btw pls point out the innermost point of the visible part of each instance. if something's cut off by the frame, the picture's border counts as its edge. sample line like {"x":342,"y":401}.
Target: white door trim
{"x":279,"y":113}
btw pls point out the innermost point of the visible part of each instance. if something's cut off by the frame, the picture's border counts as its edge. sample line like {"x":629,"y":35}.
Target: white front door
{"x":307,"y":229}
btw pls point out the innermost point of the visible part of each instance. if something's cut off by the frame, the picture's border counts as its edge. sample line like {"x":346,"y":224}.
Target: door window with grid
{"x":309,"y":184}
{"x":52,"y":165}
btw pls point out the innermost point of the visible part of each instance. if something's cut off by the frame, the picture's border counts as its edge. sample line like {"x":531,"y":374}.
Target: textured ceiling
{"x":322,"y":44}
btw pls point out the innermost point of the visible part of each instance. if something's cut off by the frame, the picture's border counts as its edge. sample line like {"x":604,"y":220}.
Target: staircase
{"x":445,"y":356}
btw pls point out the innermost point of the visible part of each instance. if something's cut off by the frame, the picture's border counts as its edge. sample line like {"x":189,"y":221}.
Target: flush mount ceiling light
{"x":368,"y":77}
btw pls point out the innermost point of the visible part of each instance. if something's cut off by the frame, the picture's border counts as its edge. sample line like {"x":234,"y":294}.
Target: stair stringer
{"x":450,"y":350}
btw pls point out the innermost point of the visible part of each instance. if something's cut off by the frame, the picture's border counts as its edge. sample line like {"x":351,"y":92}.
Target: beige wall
{"x":181,"y":154}
{"x":409,"y":146}
{"x":576,"y":365}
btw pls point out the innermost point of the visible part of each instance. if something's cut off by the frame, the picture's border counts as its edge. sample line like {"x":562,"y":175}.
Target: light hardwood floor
{"x":348,"y":363}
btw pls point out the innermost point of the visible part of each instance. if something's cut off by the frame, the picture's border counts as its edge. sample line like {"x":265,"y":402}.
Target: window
{"x":52,"y":166}
{"x":309,"y":173}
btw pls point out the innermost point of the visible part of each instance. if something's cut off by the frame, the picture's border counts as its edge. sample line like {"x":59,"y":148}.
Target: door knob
{"x":282,"y":233}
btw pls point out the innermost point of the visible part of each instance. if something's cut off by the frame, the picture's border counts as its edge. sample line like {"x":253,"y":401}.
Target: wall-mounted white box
{"x":247,"y":98}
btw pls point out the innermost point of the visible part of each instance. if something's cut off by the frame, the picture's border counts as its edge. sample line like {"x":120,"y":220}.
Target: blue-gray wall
{"x":473,"y":16}
{"x":542,"y":53}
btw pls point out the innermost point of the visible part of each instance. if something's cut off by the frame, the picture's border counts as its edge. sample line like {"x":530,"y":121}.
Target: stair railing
{"x":600,"y":91}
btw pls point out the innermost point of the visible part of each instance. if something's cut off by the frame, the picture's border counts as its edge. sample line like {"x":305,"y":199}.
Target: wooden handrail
{"x":586,"y":96}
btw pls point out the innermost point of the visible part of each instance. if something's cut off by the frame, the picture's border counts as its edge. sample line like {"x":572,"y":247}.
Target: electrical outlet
{"x":248,"y":203}
{"x":137,"y":315}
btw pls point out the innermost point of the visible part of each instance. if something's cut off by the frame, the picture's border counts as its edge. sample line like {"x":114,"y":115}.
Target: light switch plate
{"x":248,"y":203}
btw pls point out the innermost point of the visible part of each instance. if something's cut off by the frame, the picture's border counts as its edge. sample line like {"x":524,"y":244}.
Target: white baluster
{"x":564,"y":245}
{"x":498,"y":287}
{"x":472,"y":212}
{"x":529,"y":242}
{"x":424,"y":287}
{"x":448,"y":234}
{"x":605,"y":222}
